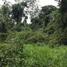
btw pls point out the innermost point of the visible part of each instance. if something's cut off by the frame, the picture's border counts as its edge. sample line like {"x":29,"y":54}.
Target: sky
{"x":47,"y":2}
{"x":41,"y":2}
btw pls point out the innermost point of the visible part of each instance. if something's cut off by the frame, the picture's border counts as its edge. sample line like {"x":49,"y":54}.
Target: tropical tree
{"x":44,"y":13}
{"x":32,"y":9}
{"x":36,"y":23}
{"x":63,"y":11}
{"x":18,"y":11}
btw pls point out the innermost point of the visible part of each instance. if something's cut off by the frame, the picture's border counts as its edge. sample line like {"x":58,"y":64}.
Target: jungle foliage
{"x":23,"y":44}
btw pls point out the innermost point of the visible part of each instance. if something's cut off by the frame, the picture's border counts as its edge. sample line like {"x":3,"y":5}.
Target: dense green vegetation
{"x":43,"y":43}
{"x":32,"y":55}
{"x":44,"y":56}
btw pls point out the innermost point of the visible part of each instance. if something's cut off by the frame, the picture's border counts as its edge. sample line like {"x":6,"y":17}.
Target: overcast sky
{"x":47,"y":2}
{"x":41,"y":2}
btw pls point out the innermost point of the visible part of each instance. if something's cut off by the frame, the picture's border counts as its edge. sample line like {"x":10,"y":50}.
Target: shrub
{"x":11,"y":55}
{"x":3,"y":37}
{"x":38,"y":37}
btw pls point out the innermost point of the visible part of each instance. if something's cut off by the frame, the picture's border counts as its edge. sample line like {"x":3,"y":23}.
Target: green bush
{"x":29,"y":37}
{"x":3,"y":37}
{"x":11,"y":55}
{"x":38,"y":37}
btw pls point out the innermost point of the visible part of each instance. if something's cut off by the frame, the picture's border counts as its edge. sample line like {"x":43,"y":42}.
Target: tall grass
{"x":44,"y":56}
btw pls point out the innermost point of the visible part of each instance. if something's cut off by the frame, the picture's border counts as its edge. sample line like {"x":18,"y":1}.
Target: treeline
{"x":48,"y":25}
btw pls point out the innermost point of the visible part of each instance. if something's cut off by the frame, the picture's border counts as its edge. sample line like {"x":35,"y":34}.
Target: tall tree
{"x":32,"y":9}
{"x":44,"y":13}
{"x":63,"y":11}
{"x":18,"y":11}
{"x":47,"y":10}
{"x":36,"y":23}
{"x":5,"y":20}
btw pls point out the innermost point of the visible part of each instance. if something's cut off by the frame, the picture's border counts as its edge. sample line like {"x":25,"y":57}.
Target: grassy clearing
{"x":44,"y":56}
